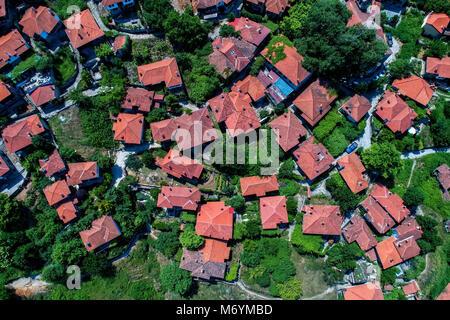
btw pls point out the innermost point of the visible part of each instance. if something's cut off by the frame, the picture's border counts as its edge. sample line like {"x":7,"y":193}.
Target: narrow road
{"x":420,"y":153}
{"x":252,"y":293}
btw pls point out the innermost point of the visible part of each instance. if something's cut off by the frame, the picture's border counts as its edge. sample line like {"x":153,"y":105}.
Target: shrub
{"x":133,"y":162}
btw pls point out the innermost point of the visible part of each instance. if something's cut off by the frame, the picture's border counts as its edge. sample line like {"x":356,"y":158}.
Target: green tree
{"x":237,"y":202}
{"x":191,"y":240}
{"x":70,"y":252}
{"x":155,"y":12}
{"x":167,"y":243}
{"x":175,"y":280}
{"x":401,"y":68}
{"x":256,"y":66}
{"x":133,"y":162}
{"x":388,"y":276}
{"x":144,"y":290}
{"x":383,"y":158}
{"x":413,"y":196}
{"x":54,"y":273}
{"x":292,"y":24}
{"x":103,"y":50}
{"x":290,"y":290}
{"x":438,"y":49}
{"x":228,"y":31}
{"x":10,"y":213}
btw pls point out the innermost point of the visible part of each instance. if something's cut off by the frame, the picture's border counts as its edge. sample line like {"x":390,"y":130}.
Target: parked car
{"x":389,"y":39}
{"x":351,"y":147}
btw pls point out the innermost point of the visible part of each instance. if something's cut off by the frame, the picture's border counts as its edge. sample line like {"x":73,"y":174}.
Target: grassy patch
{"x":401,"y":179}
{"x":64,"y":65}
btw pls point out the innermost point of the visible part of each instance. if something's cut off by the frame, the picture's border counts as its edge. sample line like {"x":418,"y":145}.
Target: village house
{"x":414,"y":88}
{"x":408,"y":228}
{"x":4,"y":169}
{"x":141,"y":100}
{"x":282,"y":77}
{"x":356,"y":108}
{"x":273,"y":8}
{"x":252,"y":86}
{"x":119,"y":45}
{"x":177,"y":199}
{"x":43,"y":24}
{"x":442,"y":173}
{"x":324,"y":220}
{"x":366,"y":291}
{"x":53,"y":165}
{"x":129,"y":128}
{"x":438,"y":70}
{"x":251,"y":31}
{"x":12,"y":48}
{"x":357,"y":230}
{"x":179,"y":166}
{"x":391,"y":251}
{"x":17,"y":136}
{"x":67,"y":211}
{"x":258,"y":186}
{"x":210,"y":9}
{"x":116,"y":7}
{"x":215,"y":220}
{"x":314,"y":102}
{"x":102,"y":232}
{"x":81,"y":29}
{"x":230,"y":55}
{"x":273,"y":212}
{"x":83,"y":174}
{"x":352,"y":171}
{"x":313,"y":159}
{"x":376,"y":215}
{"x":161,"y":72}
{"x":57,"y":192}
{"x":410,"y":290}
{"x":395,"y":113}
{"x":288,"y":130}
{"x":436,"y":25}
{"x":42,"y":95}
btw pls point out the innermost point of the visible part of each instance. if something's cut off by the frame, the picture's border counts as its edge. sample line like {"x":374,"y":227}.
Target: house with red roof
{"x":352,"y":171}
{"x":211,"y":9}
{"x":438,"y":69}
{"x":116,"y":7}
{"x":414,"y":88}
{"x":176,"y":199}
{"x":410,"y":290}
{"x":196,"y":261}
{"x":366,"y":291}
{"x":315,"y":102}
{"x":252,"y":86}
{"x":273,"y":212}
{"x":273,"y":8}
{"x":407,"y":248}
{"x":377,"y":216}
{"x":142,"y":100}
{"x":283,"y":76}
{"x":165,"y":71}
{"x":6,"y":97}
{"x":436,"y":25}
{"x":67,"y":211}
{"x":43,"y":95}
{"x":357,"y":230}
{"x":52,"y":165}
{"x":250,"y":31}
{"x":179,"y":166}
{"x":258,"y":186}
{"x":119,"y":45}
{"x":4,"y":169}
{"x":391,"y":251}
{"x":57,"y":192}
{"x":391,"y":202}
{"x":2,"y":9}
{"x":356,"y":108}
{"x":227,"y":103}
{"x":215,"y":250}
{"x":313,"y":159}
{"x":445,"y":294}
{"x":243,"y":121}
{"x":12,"y":48}
{"x":41,"y":23}
{"x":288,"y":130}
{"x":230,"y":55}
{"x":83,"y":173}
{"x":322,"y":220}
{"x":395,"y":113}
{"x":442,"y":173}
{"x":81,"y":29}
{"x":18,"y":135}
{"x":102,"y":232}
{"x":129,"y":128}
{"x":409,"y":227}
{"x":215,"y":220}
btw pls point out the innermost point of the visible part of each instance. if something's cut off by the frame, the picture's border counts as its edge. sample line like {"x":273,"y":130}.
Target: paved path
{"x":242,"y":286}
{"x":420,"y":153}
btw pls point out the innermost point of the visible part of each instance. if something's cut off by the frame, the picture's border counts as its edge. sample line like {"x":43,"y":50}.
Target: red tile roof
{"x":407,"y":248}
{"x":366,"y":291}
{"x":313,"y":158}
{"x":67,"y":211}
{"x":445,"y":294}
{"x":129,"y":128}
{"x":314,"y":102}
{"x":4,"y":91}
{"x":358,"y":16}
{"x":230,"y":55}
{"x":203,"y":4}
{"x":400,"y":117}
{"x":252,"y":86}
{"x":357,"y":107}
{"x":4,"y":168}
{"x":242,"y":121}
{"x":103,"y":231}
{"x":250,"y":30}
{"x":377,"y":216}
{"x":439,"y":67}
{"x":387,"y":253}
{"x":80,"y":172}
{"x":288,"y":130}
{"x":193,"y":261}
{"x":291,"y":66}
{"x":110,"y":2}
{"x":185,"y":198}
{"x":56,"y":192}
{"x":371,"y":254}
{"x":2,"y":8}
{"x":357,"y":230}
{"x":35,"y":21}
{"x":439,"y":21}
{"x":18,"y":135}
{"x":322,"y":219}
{"x":410,"y":288}
{"x":409,"y":227}
{"x":258,"y":186}
{"x":215,"y":250}
{"x":43,"y":94}
{"x":140,"y":98}
{"x":273,"y":211}
{"x":179,"y":166}
{"x":443,"y":173}
{"x":277,"y":6}
{"x":11,"y":45}
{"x":391,"y":202}
{"x":352,"y":172}
{"x":227,"y":103}
{"x":163,"y":130}
{"x":81,"y":29}
{"x":414,"y":88}
{"x":162,"y":71}
{"x":119,"y":42}
{"x":215,"y":220}
{"x":52,"y":164}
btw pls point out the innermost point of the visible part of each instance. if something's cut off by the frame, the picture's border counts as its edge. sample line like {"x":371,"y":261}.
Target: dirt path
{"x":242,"y":286}
{"x":411,"y":174}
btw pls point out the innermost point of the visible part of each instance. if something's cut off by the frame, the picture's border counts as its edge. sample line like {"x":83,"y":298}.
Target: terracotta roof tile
{"x":322,"y":219}
{"x":439,"y":67}
{"x":185,"y":198}
{"x":129,"y":128}
{"x":288,"y":130}
{"x":357,"y":230}
{"x":103,"y":230}
{"x":258,"y":186}
{"x":215,"y":220}
{"x":119,"y":42}
{"x":443,"y":174}
{"x":215,"y":250}
{"x":80,"y":172}
{"x":18,"y":135}
{"x":352,"y":172}
{"x":11,"y":45}
{"x":242,"y":121}
{"x":439,"y":21}
{"x":227,"y":103}
{"x":366,"y":291}
{"x":409,"y":227}
{"x":56,"y":192}
{"x":179,"y":166}
{"x":251,"y":86}
{"x":277,"y":6}
{"x":81,"y":29}
{"x":414,"y":88}
{"x":273,"y":211}
{"x":377,"y":216}
{"x":193,"y":261}
{"x":35,"y":21}
{"x":407,"y":248}
{"x":162,"y":71}
{"x":445,"y":294}
{"x":387,"y":253}
{"x":2,"y":8}
{"x":52,"y":164}
{"x":398,"y":116}
{"x":43,"y":94}
{"x":4,"y":168}
{"x":391,"y":202}
{"x":410,"y":288}
{"x":357,"y":107}
{"x":138,"y":98}
{"x":371,"y":254}
{"x":67,"y":211}
{"x":4,"y":91}
{"x":250,"y":30}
